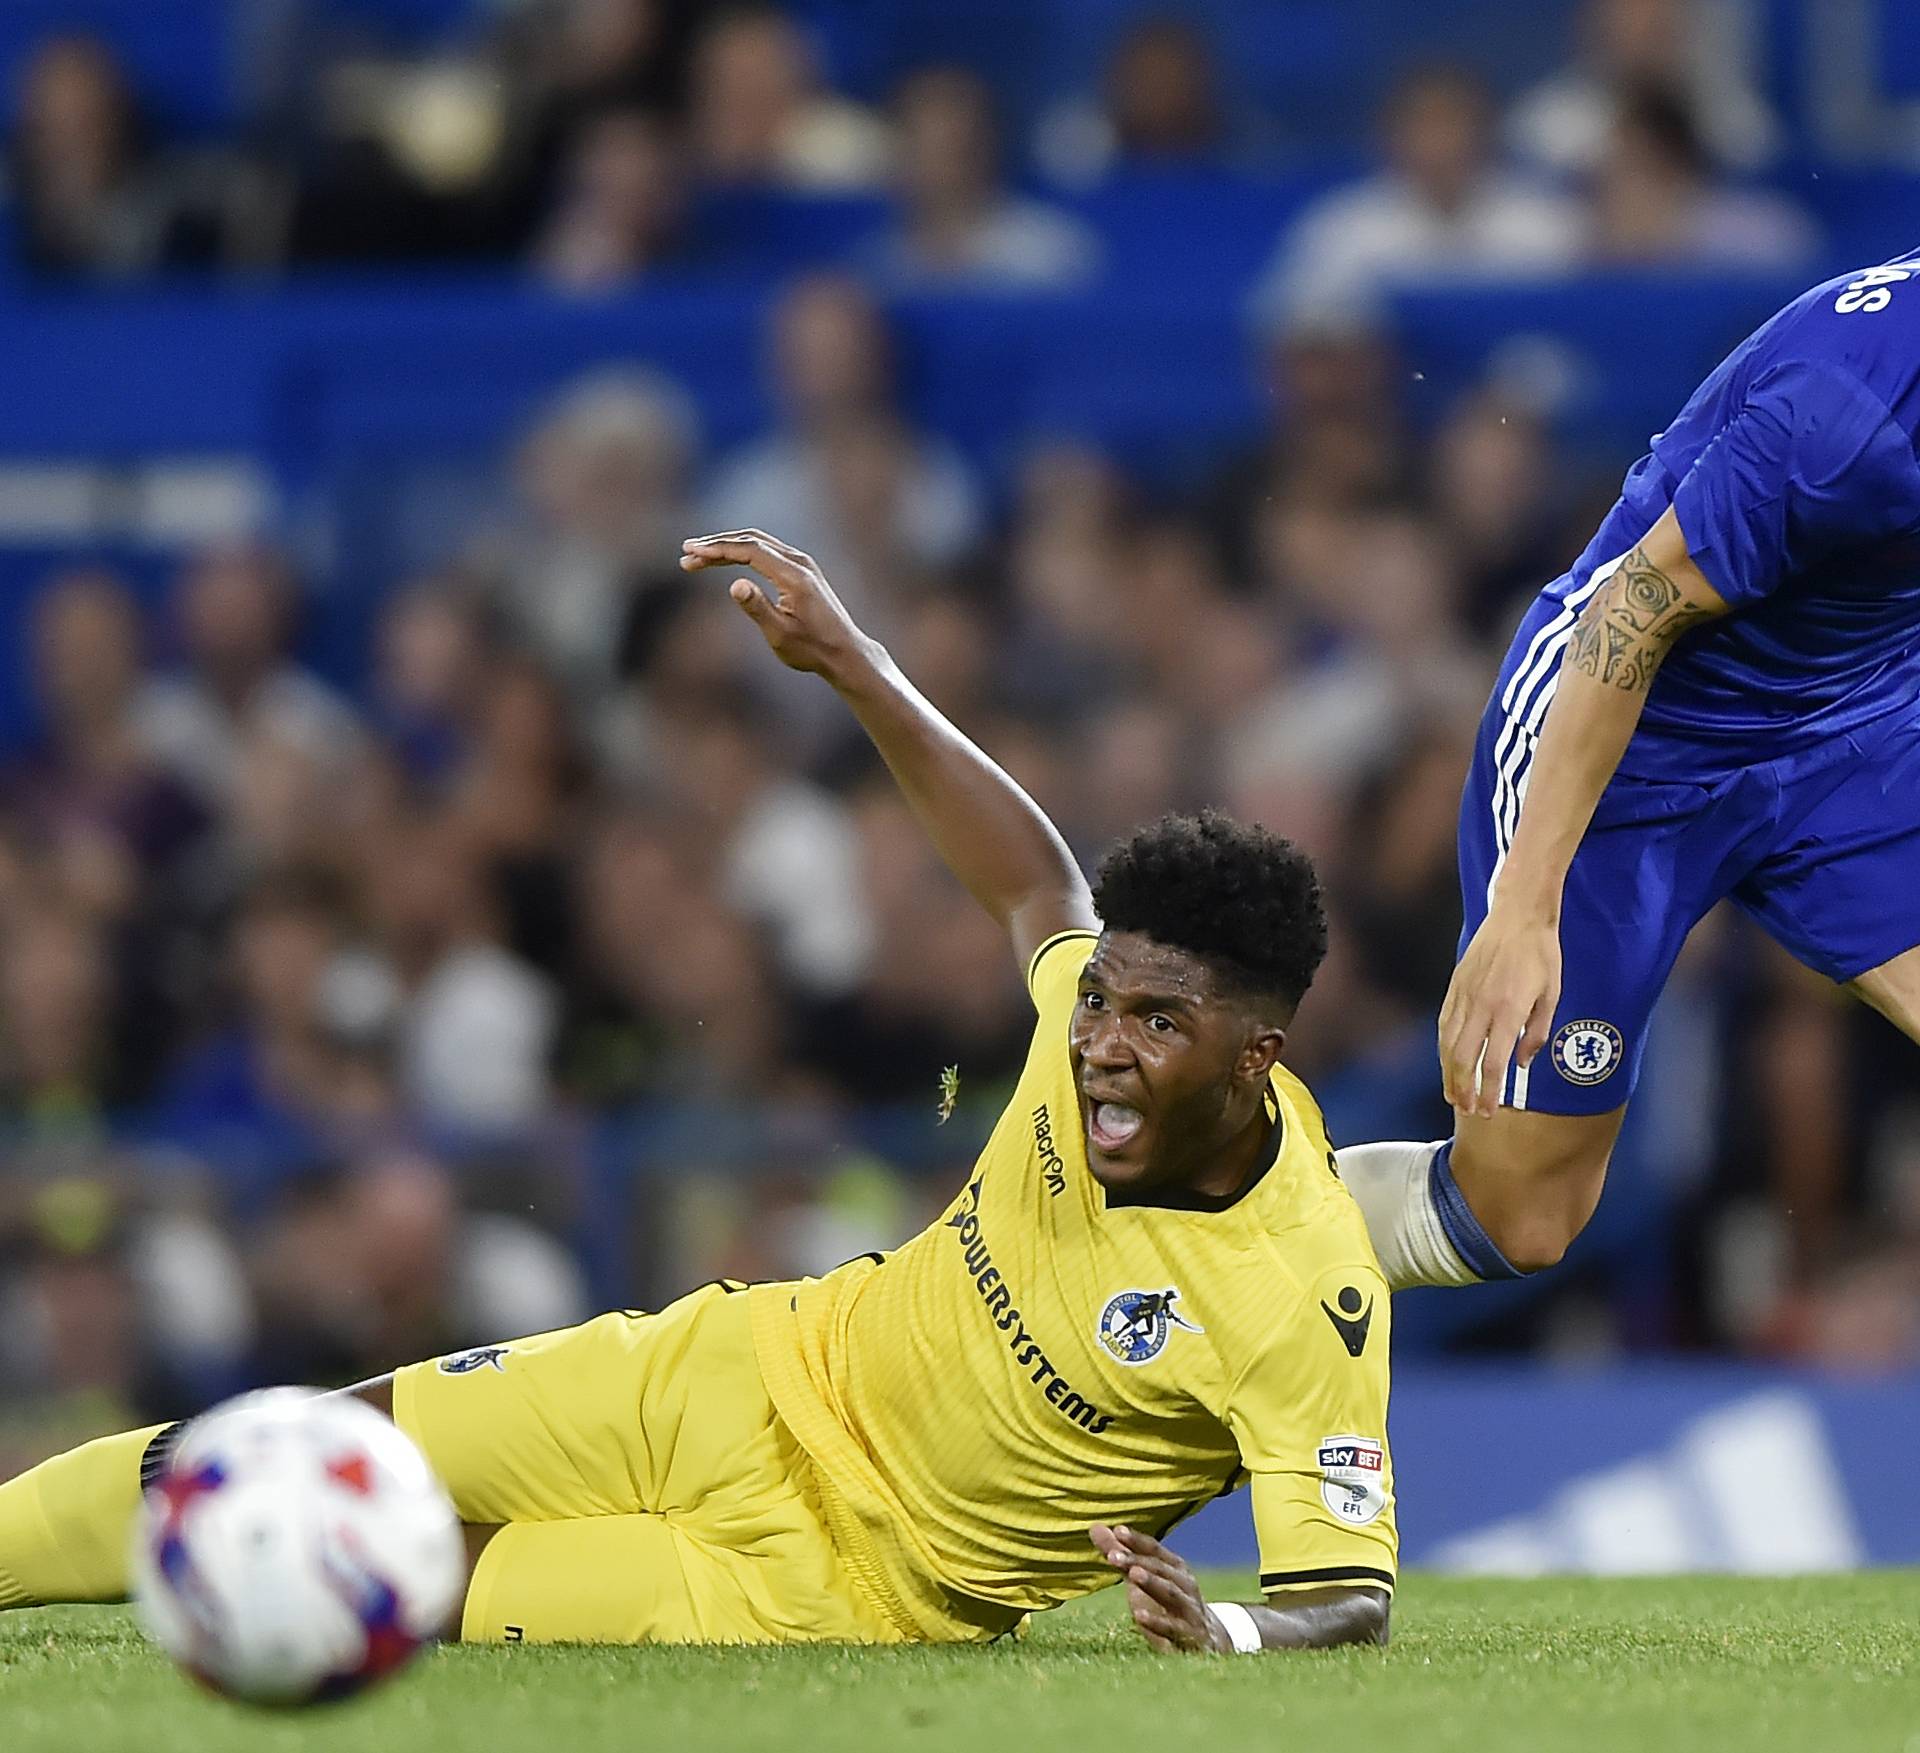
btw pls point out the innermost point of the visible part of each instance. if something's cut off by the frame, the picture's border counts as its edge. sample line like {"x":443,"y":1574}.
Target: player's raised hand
{"x":795,"y":608}
{"x":1499,"y":1007}
{"x":1162,"y":1594}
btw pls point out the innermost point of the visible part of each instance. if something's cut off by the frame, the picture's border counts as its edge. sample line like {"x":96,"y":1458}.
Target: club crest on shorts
{"x":1587,"y":1051}
{"x":1134,"y":1325}
{"x":1353,"y":1478}
{"x":464,"y":1363}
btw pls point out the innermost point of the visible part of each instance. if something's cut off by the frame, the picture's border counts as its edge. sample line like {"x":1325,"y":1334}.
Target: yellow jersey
{"x":1041,"y":1359}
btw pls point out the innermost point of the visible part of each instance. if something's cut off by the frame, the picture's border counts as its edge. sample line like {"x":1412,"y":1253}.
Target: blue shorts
{"x":1821,"y":848}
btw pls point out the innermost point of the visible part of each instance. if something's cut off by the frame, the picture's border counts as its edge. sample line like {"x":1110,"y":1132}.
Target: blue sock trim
{"x":1470,"y":1241}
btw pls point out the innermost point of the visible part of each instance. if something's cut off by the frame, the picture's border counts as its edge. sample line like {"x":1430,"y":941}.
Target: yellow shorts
{"x":649,"y":1491}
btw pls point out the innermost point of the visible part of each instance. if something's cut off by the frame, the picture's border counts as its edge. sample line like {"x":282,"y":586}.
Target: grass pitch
{"x":1822,"y":1665}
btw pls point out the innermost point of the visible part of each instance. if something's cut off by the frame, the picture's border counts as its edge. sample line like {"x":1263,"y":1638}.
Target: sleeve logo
{"x":1353,"y":1478}
{"x":1351,"y":1319}
{"x":464,"y":1363}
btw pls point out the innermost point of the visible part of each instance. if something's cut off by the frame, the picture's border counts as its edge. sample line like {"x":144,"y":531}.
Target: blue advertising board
{"x":1639,"y":1469}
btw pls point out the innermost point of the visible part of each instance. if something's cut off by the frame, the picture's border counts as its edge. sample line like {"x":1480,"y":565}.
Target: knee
{"x":1531,"y":1241}
{"x":1532,"y":1196}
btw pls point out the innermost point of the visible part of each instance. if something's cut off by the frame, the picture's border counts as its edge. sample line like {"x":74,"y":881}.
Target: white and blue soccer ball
{"x":295,"y":1548}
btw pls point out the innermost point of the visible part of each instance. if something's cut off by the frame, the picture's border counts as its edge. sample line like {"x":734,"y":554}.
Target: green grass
{"x":1827,"y":1665}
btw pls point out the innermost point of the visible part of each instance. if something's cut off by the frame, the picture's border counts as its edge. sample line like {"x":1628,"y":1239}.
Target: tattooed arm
{"x":1508,"y":982}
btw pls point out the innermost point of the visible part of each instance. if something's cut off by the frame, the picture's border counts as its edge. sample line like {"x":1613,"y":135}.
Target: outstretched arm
{"x":1508,"y":982}
{"x":1173,"y":1615}
{"x":993,"y":837}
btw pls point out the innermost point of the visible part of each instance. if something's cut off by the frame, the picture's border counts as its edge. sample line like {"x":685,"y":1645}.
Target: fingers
{"x":1539,"y":1024}
{"x":1155,"y":1623}
{"x":773,"y":559}
{"x":753,"y":535}
{"x":751,"y":598}
{"x":1461,"y":1047}
{"x":1443,"y":1044}
{"x":1172,"y":1594}
{"x":1502,"y":1033}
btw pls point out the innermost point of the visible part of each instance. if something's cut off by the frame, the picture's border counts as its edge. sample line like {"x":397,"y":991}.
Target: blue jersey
{"x":1793,"y":474}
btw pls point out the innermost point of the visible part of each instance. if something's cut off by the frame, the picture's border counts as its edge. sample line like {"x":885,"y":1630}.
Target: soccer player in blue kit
{"x":1720,"y":701}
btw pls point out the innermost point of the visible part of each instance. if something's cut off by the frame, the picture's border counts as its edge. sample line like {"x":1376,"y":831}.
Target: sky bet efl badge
{"x":1353,"y":1478}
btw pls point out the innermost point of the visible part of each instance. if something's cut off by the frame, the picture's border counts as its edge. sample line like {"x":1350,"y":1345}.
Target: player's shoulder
{"x":1852,"y":338}
{"x":1053,"y":971}
{"x":1302,"y":1212}
{"x":1309,"y":1292}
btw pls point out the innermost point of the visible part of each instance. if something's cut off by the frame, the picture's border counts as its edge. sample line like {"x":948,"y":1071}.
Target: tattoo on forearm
{"x":1631,"y":624}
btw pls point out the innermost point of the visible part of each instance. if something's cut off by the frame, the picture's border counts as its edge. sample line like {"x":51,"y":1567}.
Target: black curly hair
{"x":1243,"y":900}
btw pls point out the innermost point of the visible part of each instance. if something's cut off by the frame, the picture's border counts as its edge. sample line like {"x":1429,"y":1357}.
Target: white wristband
{"x":1237,"y":1623}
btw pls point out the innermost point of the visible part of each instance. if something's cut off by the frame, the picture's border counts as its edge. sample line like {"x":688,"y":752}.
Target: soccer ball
{"x":295,"y":1548}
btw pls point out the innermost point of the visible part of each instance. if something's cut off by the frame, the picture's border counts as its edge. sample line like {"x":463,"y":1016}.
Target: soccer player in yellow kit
{"x":1152,"y":1289}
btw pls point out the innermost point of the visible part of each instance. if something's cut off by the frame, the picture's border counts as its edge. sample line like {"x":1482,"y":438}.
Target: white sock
{"x":1392,"y":1185}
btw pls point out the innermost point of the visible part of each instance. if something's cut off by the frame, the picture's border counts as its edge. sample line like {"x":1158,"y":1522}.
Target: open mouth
{"x":1112,"y":1126}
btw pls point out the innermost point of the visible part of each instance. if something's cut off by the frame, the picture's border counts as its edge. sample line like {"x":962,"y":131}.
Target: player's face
{"x":1171,"y":1067}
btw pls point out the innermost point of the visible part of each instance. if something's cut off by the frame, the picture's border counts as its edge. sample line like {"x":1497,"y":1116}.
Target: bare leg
{"x":1801,"y":1095}
{"x":1893,"y":989}
{"x":1504,"y":1195}
{"x":1533,"y":1180}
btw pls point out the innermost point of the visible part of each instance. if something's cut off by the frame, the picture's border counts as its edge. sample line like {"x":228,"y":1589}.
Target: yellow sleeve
{"x":1053,"y":976}
{"x":1310,"y":1418}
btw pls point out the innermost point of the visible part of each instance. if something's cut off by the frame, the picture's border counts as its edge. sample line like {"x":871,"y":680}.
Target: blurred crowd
{"x":331,"y":1010}
{"x":583,"y":137}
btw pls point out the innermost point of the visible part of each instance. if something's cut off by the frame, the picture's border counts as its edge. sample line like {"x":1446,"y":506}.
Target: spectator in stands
{"x":93,"y":795}
{"x":234,"y":610}
{"x":782,"y":852}
{"x":601,"y":485}
{"x":282,"y":813}
{"x":759,"y":116}
{"x":428,"y":673}
{"x":673,"y":996}
{"x":1379,"y":615}
{"x":96,"y":199}
{"x":1493,"y":491}
{"x":620,"y":206}
{"x":959,"y":224}
{"x":1441,"y":208}
{"x":374,"y":1259}
{"x":936,"y":994}
{"x":1701,"y":53}
{"x":629,"y":884}
{"x":271,"y":1068}
{"x":577,"y":59}
{"x":844,"y":475}
{"x":1160,"y":107}
{"x":73,"y":1343}
{"x":75,"y":154}
{"x":61,"y":1067}
{"x":1657,"y":202}
{"x":1337,"y":441}
{"x":472,"y":1022}
{"x":587,"y":54}
{"x":1061,"y":559}
{"x":515,"y":802}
